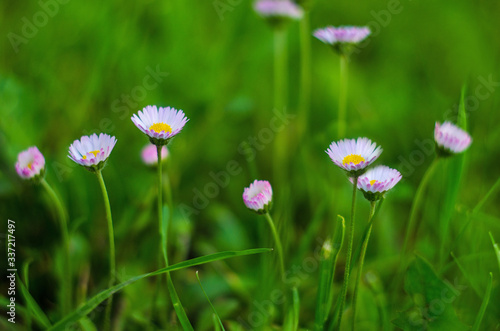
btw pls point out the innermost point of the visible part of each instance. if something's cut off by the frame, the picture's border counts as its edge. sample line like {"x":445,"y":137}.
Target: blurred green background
{"x":83,"y":67}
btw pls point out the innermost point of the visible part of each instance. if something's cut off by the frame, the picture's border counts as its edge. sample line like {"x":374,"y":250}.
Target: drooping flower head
{"x":342,"y":38}
{"x":354,"y":155}
{"x":377,"y":181}
{"x":161,"y":124}
{"x":258,"y":196}
{"x":93,"y":151}
{"x":30,"y":164}
{"x":278,"y":11}
{"x":149,"y":154}
{"x":450,"y":139}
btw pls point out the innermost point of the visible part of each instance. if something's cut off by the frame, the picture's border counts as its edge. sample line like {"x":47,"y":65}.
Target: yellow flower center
{"x":353,"y":158}
{"x":159,"y":127}
{"x":372,"y":182}
{"x":30,"y":165}
{"x":93,"y":152}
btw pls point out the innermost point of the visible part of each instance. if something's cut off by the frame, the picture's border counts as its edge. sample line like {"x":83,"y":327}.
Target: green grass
{"x":73,"y":77}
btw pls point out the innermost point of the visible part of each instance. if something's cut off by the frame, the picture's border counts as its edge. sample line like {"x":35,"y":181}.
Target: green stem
{"x":280,"y":65}
{"x":342,"y":95}
{"x":305,"y":72}
{"x":417,"y":204}
{"x":111,"y":236}
{"x":411,"y":223}
{"x":349,"y":255}
{"x":279,"y":248}
{"x":280,"y":97}
{"x":63,"y":225}
{"x":361,"y":262}
{"x":163,"y":239}
{"x":179,"y":309}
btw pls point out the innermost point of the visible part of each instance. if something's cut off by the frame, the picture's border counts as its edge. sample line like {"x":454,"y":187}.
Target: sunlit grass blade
{"x":210,"y":302}
{"x":87,"y":325}
{"x":92,"y":303}
{"x":216,"y":323}
{"x":484,"y":305}
{"x":32,"y":306}
{"x":496,"y":248}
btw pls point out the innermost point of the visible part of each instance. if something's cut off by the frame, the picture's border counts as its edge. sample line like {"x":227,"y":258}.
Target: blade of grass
{"x":296,"y":309}
{"x":26,"y":268}
{"x":210,"y":302}
{"x":474,"y":213}
{"x":32,"y":306}
{"x":338,"y":242}
{"x":215,"y":320}
{"x":496,"y":248}
{"x":484,"y":305}
{"x":93,"y":302}
{"x":20,"y":310}
{"x":324,"y":286}
{"x":466,"y":275}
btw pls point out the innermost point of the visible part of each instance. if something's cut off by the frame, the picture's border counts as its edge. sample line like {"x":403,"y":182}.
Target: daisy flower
{"x":377,"y":181}
{"x":342,"y":38}
{"x":354,"y":155}
{"x":149,"y":154}
{"x":450,"y":139}
{"x":92,"y":151}
{"x":258,"y":196}
{"x":30,"y":164}
{"x":161,"y":124}
{"x":278,"y":9}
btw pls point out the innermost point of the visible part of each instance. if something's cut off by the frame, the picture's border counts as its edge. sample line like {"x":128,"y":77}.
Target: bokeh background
{"x":83,"y":67}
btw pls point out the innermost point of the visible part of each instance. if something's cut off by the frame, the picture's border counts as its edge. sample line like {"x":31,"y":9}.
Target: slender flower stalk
{"x":63,"y":225}
{"x":353,"y":156}
{"x":343,"y":40}
{"x":450,"y":140}
{"x":279,"y":247}
{"x":416,"y":205}
{"x":30,"y":166}
{"x":258,"y":197}
{"x":278,"y":14}
{"x":92,"y":152}
{"x":280,"y":65}
{"x":111,"y":236}
{"x":160,"y":205}
{"x":343,"y":76}
{"x":161,"y":125}
{"x":347,"y":271}
{"x":280,"y":97}
{"x":111,"y":239}
{"x":361,"y":262}
{"x":305,"y":72}
{"x":410,"y":229}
